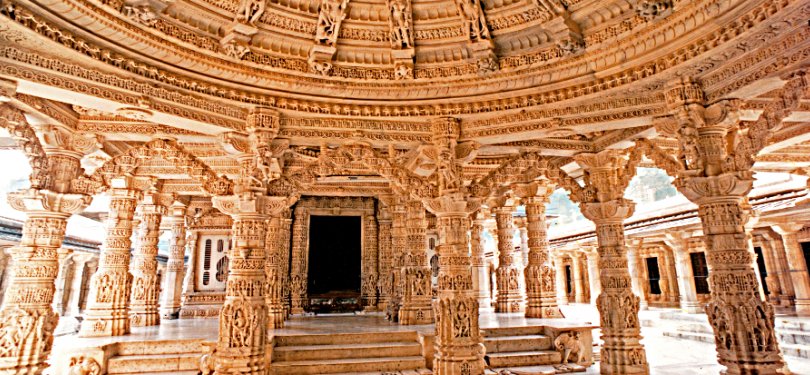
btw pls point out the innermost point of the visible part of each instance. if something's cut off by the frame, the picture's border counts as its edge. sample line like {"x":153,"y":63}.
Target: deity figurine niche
{"x":250,"y":11}
{"x":400,"y":20}
{"x":331,"y":14}
{"x":472,"y":12}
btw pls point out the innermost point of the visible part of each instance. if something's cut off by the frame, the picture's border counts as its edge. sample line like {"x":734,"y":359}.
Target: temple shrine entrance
{"x":333,"y":279}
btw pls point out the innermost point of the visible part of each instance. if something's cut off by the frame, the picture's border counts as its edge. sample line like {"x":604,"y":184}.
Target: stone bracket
{"x":320,"y":59}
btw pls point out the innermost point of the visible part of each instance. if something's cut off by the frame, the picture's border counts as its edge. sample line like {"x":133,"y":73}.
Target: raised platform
{"x":326,"y":344}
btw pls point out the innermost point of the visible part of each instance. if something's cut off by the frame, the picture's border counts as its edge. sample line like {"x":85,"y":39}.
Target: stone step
{"x":702,"y":337}
{"x":527,"y":358}
{"x":795,"y":350}
{"x":517,"y":343}
{"x":147,"y":364}
{"x":344,"y":351}
{"x":792,"y":325}
{"x":351,"y":365}
{"x":512,"y":331}
{"x":344,"y":338}
{"x":793,"y":337}
{"x":128,"y":348}
{"x":682,"y":316}
{"x":695,"y":328}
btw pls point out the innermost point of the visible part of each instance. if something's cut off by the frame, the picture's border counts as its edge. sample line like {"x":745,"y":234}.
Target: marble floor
{"x":666,"y":355}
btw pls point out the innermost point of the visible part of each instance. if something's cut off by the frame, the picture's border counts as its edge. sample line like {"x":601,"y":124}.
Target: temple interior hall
{"x":404,"y":187}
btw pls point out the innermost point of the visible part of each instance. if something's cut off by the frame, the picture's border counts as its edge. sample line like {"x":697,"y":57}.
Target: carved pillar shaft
{"x":27,"y":319}
{"x":143,"y":308}
{"x":72,"y":308}
{"x":622,"y":353}
{"x":562,"y":282}
{"x":540,"y":276}
{"x":188,"y":280}
{"x":686,"y":280}
{"x":594,"y":276}
{"x":798,"y":266}
{"x":772,"y":279}
{"x":298,"y":270}
{"x":65,"y":262}
{"x":480,"y":268}
{"x":416,"y":293}
{"x":370,"y":264}
{"x":579,"y":278}
{"x":384,"y":279}
{"x":173,"y":278}
{"x":286,"y":235}
{"x":636,"y":278}
{"x":273,"y":270}
{"x":458,"y":343}
{"x":107,"y":312}
{"x":399,"y":245}
{"x":743,"y":324}
{"x":509,"y":274}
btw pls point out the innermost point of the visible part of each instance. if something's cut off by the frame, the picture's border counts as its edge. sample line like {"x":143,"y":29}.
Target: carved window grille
{"x":653,"y":275}
{"x":700,"y":271}
{"x":213,"y":269}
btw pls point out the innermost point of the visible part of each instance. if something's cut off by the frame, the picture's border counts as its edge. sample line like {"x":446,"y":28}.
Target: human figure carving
{"x":250,"y":11}
{"x":472,"y":12}
{"x":400,"y":20}
{"x":331,"y":14}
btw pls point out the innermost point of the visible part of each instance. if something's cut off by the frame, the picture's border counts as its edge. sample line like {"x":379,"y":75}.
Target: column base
{"x":691,"y":307}
{"x":415,"y":314}
{"x":544,"y":312}
{"x":510,"y":304}
{"x":170,"y":313}
{"x":297,"y":311}
{"x":802,"y":307}
{"x":140,"y":319}
{"x":104,"y":326}
{"x":275,"y":317}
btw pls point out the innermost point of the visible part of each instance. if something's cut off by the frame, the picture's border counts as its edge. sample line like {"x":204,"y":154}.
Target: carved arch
{"x":338,"y":159}
{"x":524,"y":167}
{"x":170,"y":151}
{"x":13,"y":120}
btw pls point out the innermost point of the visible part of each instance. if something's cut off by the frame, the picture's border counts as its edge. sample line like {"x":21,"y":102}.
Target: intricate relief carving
{"x":400,"y":21}
{"x":652,"y":9}
{"x":13,"y":120}
{"x":331,"y":14}
{"x":249,"y":11}
{"x":82,"y":365}
{"x":475,"y":22}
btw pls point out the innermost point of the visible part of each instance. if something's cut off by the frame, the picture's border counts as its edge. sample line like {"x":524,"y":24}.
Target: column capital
{"x":787,"y":228}
{"x":538,"y":191}
{"x":32,"y":200}
{"x":255,"y":205}
{"x":610,"y":211}
{"x":454,"y":203}
{"x":607,"y":174}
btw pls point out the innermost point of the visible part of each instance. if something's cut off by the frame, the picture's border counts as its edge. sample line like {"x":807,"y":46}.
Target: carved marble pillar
{"x":27,"y":318}
{"x":73,"y":307}
{"x":459,"y":347}
{"x":107,"y":312}
{"x":273,"y":270}
{"x":480,"y":268}
{"x":539,"y":273}
{"x":637,"y":279}
{"x":368,"y":286}
{"x":669,"y":275}
{"x":523,"y":233}
{"x":384,"y":262}
{"x":416,"y":292}
{"x":191,"y":248}
{"x":601,"y":200}
{"x":298,"y":270}
{"x":399,"y":245}
{"x":562,"y":283}
{"x":173,"y":278}
{"x":242,"y":343}
{"x":509,"y":273}
{"x":678,"y":242}
{"x":143,"y":304}
{"x":774,"y":284}
{"x":65,"y":263}
{"x":286,"y":235}
{"x":594,"y":276}
{"x":786,"y":283}
{"x":579,"y":280}
{"x":798,"y":266}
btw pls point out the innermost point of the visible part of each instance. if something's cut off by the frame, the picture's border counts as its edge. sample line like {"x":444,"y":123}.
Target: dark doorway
{"x":700,"y":271}
{"x":569,"y":285}
{"x":763,"y":272}
{"x":806,"y":253}
{"x":653,"y":275}
{"x":334,"y":256}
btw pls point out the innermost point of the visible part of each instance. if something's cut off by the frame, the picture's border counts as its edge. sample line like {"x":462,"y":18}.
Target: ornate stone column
{"x":273,"y":270}
{"x":65,"y":261}
{"x":594,"y":275}
{"x":107,"y":312}
{"x":143,"y":304}
{"x":480,"y":269}
{"x":459,"y":348}
{"x":636,"y":278}
{"x":509,"y":273}
{"x":27,"y":318}
{"x":562,"y":283}
{"x":173,"y":278}
{"x":286,"y":235}
{"x":523,"y":232}
{"x":798,"y":266}
{"x":606,"y":175}
{"x":416,"y":293}
{"x":384,"y":263}
{"x":242,"y":343}
{"x":678,"y":242}
{"x":72,"y":308}
{"x":788,"y":292}
{"x":539,"y":272}
{"x":368,"y":285}
{"x":191,"y":247}
{"x":298,"y":271}
{"x":579,"y":281}
{"x":669,"y":275}
{"x":399,"y":245}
